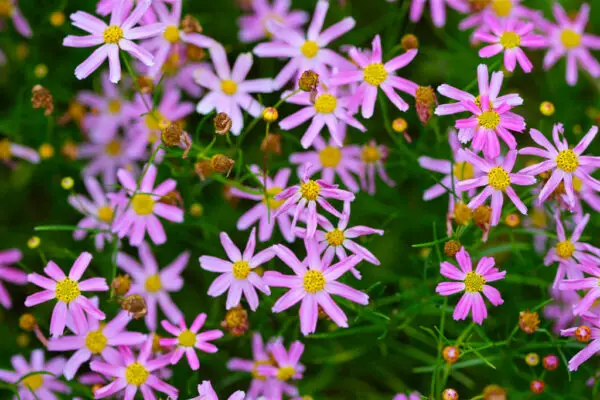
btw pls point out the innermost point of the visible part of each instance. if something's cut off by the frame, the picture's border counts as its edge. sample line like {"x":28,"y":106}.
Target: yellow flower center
{"x":241,"y":270}
{"x":67,"y":290}
{"x":502,"y":8}
{"x":136,"y":374}
{"x":370,"y":154}
{"x":154,"y":119}
{"x":325,"y":104}
{"x":314,"y":281}
{"x":463,"y":171}
{"x":171,"y":34}
{"x":310,"y":190}
{"x":153,"y":284}
{"x":474,"y":282}
{"x":375,"y":74}
{"x":255,"y":373}
{"x":5,"y":152}
{"x":114,"y":106}
{"x":105,"y":214}
{"x":309,"y":49}
{"x":113,"y":34}
{"x":142,"y":204}
{"x":498,"y":178}
{"x":330,"y":157}
{"x":335,"y":237}
{"x":570,"y":39}
{"x":565,"y":249}
{"x":187,"y":338}
{"x":285,"y":373}
{"x":489,"y":119}
{"x":228,"y":87}
{"x":113,"y":148}
{"x":539,"y":219}
{"x":567,"y":161}
{"x":510,"y":40}
{"x":270,"y":198}
{"x":33,"y":382}
{"x":95,"y":341}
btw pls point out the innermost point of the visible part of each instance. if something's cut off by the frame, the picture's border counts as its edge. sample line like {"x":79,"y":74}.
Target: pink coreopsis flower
{"x":206,"y":392}
{"x":145,"y":207}
{"x":314,"y":283}
{"x":253,"y":27}
{"x":8,"y":150}
{"x":561,"y":310}
{"x":584,"y":333}
{"x":105,"y":7}
{"x":12,"y":10}
{"x":438,"y":10}
{"x":568,"y":38}
{"x":36,"y":386}
{"x":237,"y":276}
{"x":131,"y":373}
{"x":67,"y":292}
{"x":373,"y":157}
{"x":411,"y":396}
{"x":188,"y":340}
{"x":472,"y":284}
{"x":229,"y":89}
{"x":307,"y":195}
{"x":372,"y":74}
{"x":154,"y":285}
{"x":497,"y":178}
{"x":97,"y":340}
{"x":119,"y":35}
{"x":10,"y":274}
{"x":501,"y":9}
{"x":287,"y":367}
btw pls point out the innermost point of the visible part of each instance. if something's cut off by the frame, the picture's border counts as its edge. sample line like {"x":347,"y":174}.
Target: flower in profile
{"x":30,"y":385}
{"x":237,"y":276}
{"x":229,"y":88}
{"x":154,"y":285}
{"x":497,"y":178}
{"x":372,"y":74}
{"x":307,"y":51}
{"x":188,"y":340}
{"x":472,"y":283}
{"x":10,"y":274}
{"x":411,"y":396}
{"x":373,"y":157}
{"x":118,"y":35}
{"x":438,"y":15}
{"x":584,"y":333}
{"x":567,"y":38}
{"x":132,"y":373}
{"x":67,"y":290}
{"x":97,"y":340}
{"x":286,"y":366}
{"x":314,"y":283}
{"x":145,"y":207}
{"x":253,"y":27}
{"x":206,"y":392}
{"x":9,"y":150}
{"x":10,"y":8}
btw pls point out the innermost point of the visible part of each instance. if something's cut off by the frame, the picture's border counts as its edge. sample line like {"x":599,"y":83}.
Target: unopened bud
{"x":23,"y":340}
{"x":196,"y":210}
{"x":512,"y":220}
{"x":174,"y":136}
{"x":271,"y":143}
{"x":399,"y":125}
{"x":270,"y":114}
{"x":33,"y":242}
{"x":42,"y":98}
{"x":537,"y":386}
{"x":236,"y":321}
{"x":145,"y":84}
{"x":425,"y":101}
{"x":462,"y":213}
{"x":451,"y":247}
{"x":189,"y":24}
{"x":203,"y":169}
{"x":583,"y":333}
{"x":136,"y":305}
{"x":547,"y":108}
{"x":494,"y":392}
{"x":27,"y":322}
{"x":308,"y":81}
{"x":194,"y":53}
{"x":449,"y":394}
{"x":482,"y":216}
{"x":67,"y":183}
{"x":550,"y":362}
{"x":529,"y":321}
{"x":409,"y":41}
{"x":69,"y":150}
{"x":532,"y":359}
{"x":221,"y":163}
{"x":46,"y":151}
{"x":121,"y":284}
{"x":222,"y":123}
{"x":451,"y":354}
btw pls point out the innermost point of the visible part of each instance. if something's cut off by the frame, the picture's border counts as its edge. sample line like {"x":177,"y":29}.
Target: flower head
{"x":373,"y":157}
{"x":592,"y":329}
{"x":500,"y":9}
{"x":10,"y":274}
{"x":285,"y":368}
{"x":253,"y":27}
{"x":438,"y":13}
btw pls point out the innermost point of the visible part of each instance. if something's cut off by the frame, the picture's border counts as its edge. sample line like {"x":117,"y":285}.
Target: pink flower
{"x":67,"y":291}
{"x":287,"y":367}
{"x":155,"y":285}
{"x":105,"y":7}
{"x":229,"y":89}
{"x":438,"y":10}
{"x":253,"y":27}
{"x":411,"y":396}
{"x":187,"y":340}
{"x":473,"y":282}
{"x":133,"y":373}
{"x":561,"y":310}
{"x":373,"y":74}
{"x":10,"y":274}
{"x":206,"y":392}
{"x":119,"y":35}
{"x":567,"y":38}
{"x":509,"y":36}
{"x":502,"y":9}
{"x":18,"y":20}
{"x":144,"y":207}
{"x":8,"y":150}
{"x":497,"y":178}
{"x":373,"y":158}
{"x":96,"y":340}
{"x":314,"y":283}
{"x":592,"y":348}
{"x":36,"y":386}
{"x":306,"y":51}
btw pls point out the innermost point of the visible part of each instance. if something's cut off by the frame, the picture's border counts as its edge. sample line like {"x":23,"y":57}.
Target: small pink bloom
{"x":411,"y":396}
{"x":206,"y":392}
{"x":253,"y":27}
{"x":438,"y":11}
{"x":10,"y":274}
{"x":504,"y":9}
{"x":373,"y":157}
{"x":590,"y":321}
{"x":287,"y":367}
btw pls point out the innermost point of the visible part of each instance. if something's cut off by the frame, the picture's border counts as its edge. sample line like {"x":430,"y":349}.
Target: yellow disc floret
{"x":33,"y":382}
{"x":228,"y":87}
{"x":136,"y":374}
{"x":113,"y":148}
{"x":325,"y":104}
{"x":142,"y":204}
{"x":187,"y":338}
{"x":474,"y":282}
{"x":570,"y":39}
{"x":270,"y":199}
{"x":67,"y":290}
{"x":498,"y":178}
{"x":375,"y":74}
{"x":286,"y":373}
{"x":309,"y":49}
{"x":567,"y":160}
{"x":335,"y":237}
{"x":330,"y":157}
{"x":241,"y":270}
{"x":463,"y":170}
{"x":510,"y":40}
{"x":310,"y":190}
{"x":370,"y":154}
{"x":113,"y":34}
{"x":95,"y":341}
{"x":489,"y":119}
{"x":565,"y":249}
{"x":171,"y":34}
{"x":502,"y":8}
{"x":105,"y":213}
{"x":314,"y":281}
{"x":153,"y":283}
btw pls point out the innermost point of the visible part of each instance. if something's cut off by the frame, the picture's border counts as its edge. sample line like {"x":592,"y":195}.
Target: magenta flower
{"x":287,"y":367}
{"x":497,"y":178}
{"x":119,"y":35}
{"x":237,"y":276}
{"x":411,"y":396}
{"x":96,"y":340}
{"x":155,"y":285}
{"x":314,"y":283}
{"x":472,"y":284}
{"x":373,"y":158}
{"x":10,"y":274}
{"x":438,"y":10}
{"x":36,"y":386}
{"x":253,"y":27}
{"x":13,"y":11}
{"x":8,"y":150}
{"x":229,"y":89}
{"x":585,"y":332}
{"x":372,"y":74}
{"x":307,"y":195}
{"x":133,"y":373}
{"x":144,"y":207}
{"x":206,"y":392}
{"x":67,"y":292}
{"x":567,"y":38}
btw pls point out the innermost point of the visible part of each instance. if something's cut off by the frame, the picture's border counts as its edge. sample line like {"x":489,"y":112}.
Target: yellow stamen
{"x":153,"y":284}
{"x":241,"y":270}
{"x":375,"y":74}
{"x":474,"y":282}
{"x":67,"y":290}
{"x":113,"y":34}
{"x":309,"y":49}
{"x":142,"y":204}
{"x":325,"y":104}
{"x":136,"y":374}
{"x":310,"y":190}
{"x":498,"y":178}
{"x":314,"y":281}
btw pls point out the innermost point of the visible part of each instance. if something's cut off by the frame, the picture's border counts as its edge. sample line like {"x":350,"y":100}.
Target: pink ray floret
{"x":10,"y":274}
{"x":438,"y":10}
{"x":206,"y":392}
{"x":253,"y":27}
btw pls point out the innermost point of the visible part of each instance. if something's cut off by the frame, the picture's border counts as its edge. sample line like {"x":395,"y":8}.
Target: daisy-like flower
{"x":97,"y":340}
{"x":306,"y":51}
{"x":229,"y":89}
{"x":568,"y":38}
{"x":67,"y":290}
{"x":287,"y":367}
{"x":438,"y":10}
{"x":154,"y":285}
{"x":10,"y":9}
{"x":133,"y":373}
{"x":36,"y":386}
{"x":237,"y":276}
{"x":253,"y":26}
{"x":373,"y":157}
{"x":509,"y":36}
{"x":411,"y":396}
{"x":307,"y":195}
{"x":566,"y":164}
{"x":145,"y":206}
{"x":497,"y":178}
{"x":328,"y":108}
{"x":472,"y":283}
{"x":206,"y":392}
{"x":10,"y":274}
{"x":118,"y":35}
{"x":263,"y":211}
{"x":105,"y":7}
{"x":589,"y":330}
{"x":314,"y":283}
{"x":501,"y":9}
{"x":9,"y":150}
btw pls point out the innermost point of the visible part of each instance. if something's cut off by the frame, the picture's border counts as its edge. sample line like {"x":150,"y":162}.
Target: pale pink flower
{"x":18,"y":20}
{"x":253,"y":27}
{"x":105,"y":7}
{"x":10,"y":274}
{"x":592,"y":348}
{"x":411,"y":396}
{"x":287,"y":367}
{"x":438,"y":10}
{"x":561,"y":309}
{"x":373,"y":157}
{"x":206,"y":392}
{"x":589,"y":284}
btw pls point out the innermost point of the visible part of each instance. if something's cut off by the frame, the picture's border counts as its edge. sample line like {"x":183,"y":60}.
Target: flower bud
{"x":425,"y":100}
{"x":221,"y":163}
{"x":145,"y":84}
{"x":409,"y":42}
{"x":399,"y":125}
{"x":42,"y":98}
{"x":136,"y":305}
{"x":196,"y":210}
{"x":236,"y":321}
{"x":203,"y":169}
{"x":451,"y":354}
{"x":189,"y":24}
{"x":529,"y":321}
{"x":482,"y":216}
{"x":583,"y":333}
{"x":121,"y":284}
{"x":69,"y":150}
{"x":451,"y":247}
{"x":23,"y":340}
{"x":222,"y":123}
{"x":494,"y":392}
{"x":33,"y":242}
{"x":271,"y":143}
{"x":270,"y":114}
{"x":537,"y":386}
{"x":547,"y":108}
{"x":67,"y":183}
{"x":462,"y":213}
{"x":40,"y":71}
{"x":532,"y":359}
{"x":308,"y":81}
{"x":27,"y":322}
{"x":550,"y":362}
{"x":46,"y":151}
{"x":57,"y":18}
{"x":512,"y":220}
{"x":194,"y":53}
{"x":449,"y":394}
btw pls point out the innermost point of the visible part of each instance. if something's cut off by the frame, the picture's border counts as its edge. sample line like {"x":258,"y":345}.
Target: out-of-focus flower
{"x":10,"y":274}
{"x":411,"y":396}
{"x":206,"y":392}
{"x":253,"y":27}
{"x":529,"y":321}
{"x":584,"y":333}
{"x":373,"y":157}
{"x":286,"y":366}
{"x":9,"y":150}
{"x":561,"y":310}
{"x":438,"y":10}
{"x":10,"y":8}
{"x":42,"y":98}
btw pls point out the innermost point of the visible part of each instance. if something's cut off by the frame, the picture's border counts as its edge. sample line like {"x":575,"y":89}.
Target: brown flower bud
{"x":462,"y":213}
{"x":189,"y":24}
{"x":512,"y":220}
{"x":156,"y":346}
{"x":172,"y":198}
{"x":194,"y":53}
{"x":409,"y":41}
{"x":451,"y":247}
{"x":42,"y":98}
{"x":145,"y":83}
{"x":174,"y":136}
{"x":27,"y":322}
{"x":425,"y":100}
{"x":482,"y":216}
{"x":222,"y":123}
{"x":121,"y":284}
{"x":529,"y":321}
{"x":236,"y":321}
{"x":494,"y":392}
{"x":221,"y":163}
{"x":136,"y":305}
{"x":203,"y":169}
{"x":69,"y":150}
{"x":451,"y":354}
{"x":270,"y":114}
{"x":308,"y":81}
{"x":271,"y":143}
